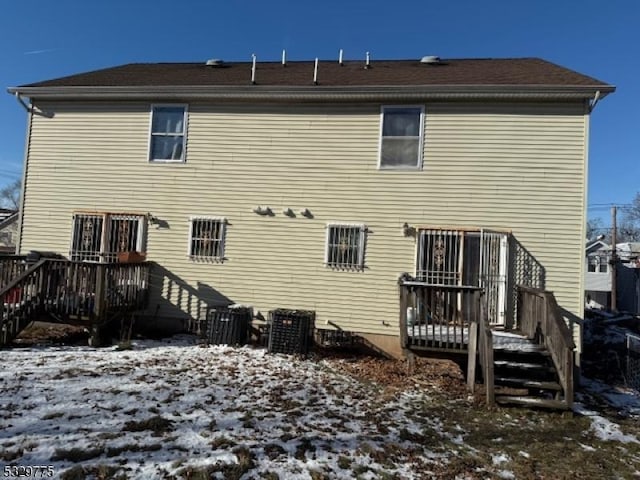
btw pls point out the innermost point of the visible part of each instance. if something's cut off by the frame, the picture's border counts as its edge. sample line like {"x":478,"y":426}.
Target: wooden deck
{"x":451,"y":319}
{"x":91,"y":294}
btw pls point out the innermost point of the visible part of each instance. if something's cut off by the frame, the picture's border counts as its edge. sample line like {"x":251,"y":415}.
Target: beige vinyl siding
{"x":508,"y":166}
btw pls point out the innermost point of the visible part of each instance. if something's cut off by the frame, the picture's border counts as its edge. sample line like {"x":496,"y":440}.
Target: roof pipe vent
{"x":340,"y":57}
{"x":284,"y":58}
{"x":253,"y":69}
{"x":215,"y":62}
{"x":430,"y":59}
{"x":315,"y":72}
{"x":367,"y":63}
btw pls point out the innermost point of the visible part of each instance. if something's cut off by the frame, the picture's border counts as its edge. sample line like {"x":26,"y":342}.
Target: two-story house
{"x":599,"y":273}
{"x":315,"y":185}
{"x":8,"y":230}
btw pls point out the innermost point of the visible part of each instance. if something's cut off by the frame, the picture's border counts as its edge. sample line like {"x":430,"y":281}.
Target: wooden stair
{"x":526,"y":376}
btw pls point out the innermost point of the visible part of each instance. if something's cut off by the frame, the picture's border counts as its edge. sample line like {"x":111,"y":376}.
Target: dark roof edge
{"x":10,"y":219}
{"x":314,"y":93}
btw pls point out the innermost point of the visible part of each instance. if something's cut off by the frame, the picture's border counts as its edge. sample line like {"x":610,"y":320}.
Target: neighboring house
{"x":253,"y":184}
{"x":598,"y":274}
{"x":8,"y":230}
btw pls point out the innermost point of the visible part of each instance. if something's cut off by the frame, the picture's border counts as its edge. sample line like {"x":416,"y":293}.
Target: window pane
{"x":166,"y":148}
{"x":401,"y":122}
{"x":87,"y":238}
{"x":168,"y":120}
{"x":402,"y":152}
{"x":344,"y":244}
{"x":207,"y":238}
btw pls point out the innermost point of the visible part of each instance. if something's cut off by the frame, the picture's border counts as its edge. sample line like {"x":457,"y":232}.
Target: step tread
{"x":526,"y":383}
{"x":523,"y":365}
{"x":532,"y":402}
{"x":529,"y":350}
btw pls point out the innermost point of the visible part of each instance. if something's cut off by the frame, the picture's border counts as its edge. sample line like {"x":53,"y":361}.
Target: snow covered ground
{"x":173,"y":409}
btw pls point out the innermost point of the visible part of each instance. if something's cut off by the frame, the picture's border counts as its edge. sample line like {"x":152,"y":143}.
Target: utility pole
{"x":614,"y":260}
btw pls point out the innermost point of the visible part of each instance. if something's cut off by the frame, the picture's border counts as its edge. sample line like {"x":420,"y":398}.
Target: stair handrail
{"x":559,"y":341}
{"x":20,"y":300}
{"x":16,"y":281}
{"x":539,"y":317}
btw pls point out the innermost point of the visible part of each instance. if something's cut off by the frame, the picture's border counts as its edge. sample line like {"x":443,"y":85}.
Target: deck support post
{"x":95,"y":339}
{"x":472,"y":358}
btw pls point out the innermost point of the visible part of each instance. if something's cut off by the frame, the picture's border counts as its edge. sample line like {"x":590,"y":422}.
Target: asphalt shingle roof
{"x":458,"y":72}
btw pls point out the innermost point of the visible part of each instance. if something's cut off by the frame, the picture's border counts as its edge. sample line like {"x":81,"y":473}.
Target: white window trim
{"x":420,"y":145}
{"x":183,"y":159}
{"x":223,"y":238}
{"x":361,"y":245}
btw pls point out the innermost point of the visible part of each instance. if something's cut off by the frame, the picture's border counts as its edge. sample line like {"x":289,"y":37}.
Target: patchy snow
{"x":498,"y":459}
{"x":171,"y":407}
{"x":603,"y":428}
{"x":175,"y":409}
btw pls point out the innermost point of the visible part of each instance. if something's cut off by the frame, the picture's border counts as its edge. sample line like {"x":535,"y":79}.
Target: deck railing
{"x":539,"y":318}
{"x":11,"y":266}
{"x":73,"y":292}
{"x":437,"y":317}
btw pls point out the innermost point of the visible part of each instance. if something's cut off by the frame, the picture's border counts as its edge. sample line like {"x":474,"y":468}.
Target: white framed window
{"x":100,"y":237}
{"x":345,"y":244}
{"x":168,"y":133}
{"x":401,"y":137}
{"x":206,"y":238}
{"x":598,"y":264}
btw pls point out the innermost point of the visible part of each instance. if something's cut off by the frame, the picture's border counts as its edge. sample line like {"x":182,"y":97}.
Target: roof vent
{"x":215,"y":62}
{"x":430,"y":59}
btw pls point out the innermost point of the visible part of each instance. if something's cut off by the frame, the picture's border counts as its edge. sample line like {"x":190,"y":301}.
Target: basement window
{"x":206,"y":238}
{"x":401,"y":137}
{"x":345,"y":246}
{"x":168,"y":133}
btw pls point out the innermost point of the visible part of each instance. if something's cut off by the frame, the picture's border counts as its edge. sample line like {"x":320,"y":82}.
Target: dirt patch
{"x":442,"y":375}
{"x":46,"y":333}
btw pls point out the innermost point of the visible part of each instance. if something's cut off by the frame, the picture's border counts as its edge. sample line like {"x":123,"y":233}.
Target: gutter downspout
{"x":27,"y":145}
{"x":28,"y":108}
{"x":594,"y":102}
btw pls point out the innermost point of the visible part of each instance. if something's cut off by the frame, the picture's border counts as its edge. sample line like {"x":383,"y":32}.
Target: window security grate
{"x":101,"y":237}
{"x":345,"y":246}
{"x":440,"y":257}
{"x":207,"y":238}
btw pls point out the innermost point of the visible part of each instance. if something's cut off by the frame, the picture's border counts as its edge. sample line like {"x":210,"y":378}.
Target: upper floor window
{"x":401,"y":137}
{"x":345,"y":246}
{"x":168,"y":133}
{"x":206,"y":238}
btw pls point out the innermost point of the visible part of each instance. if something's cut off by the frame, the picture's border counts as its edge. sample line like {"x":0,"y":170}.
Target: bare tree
{"x":633,"y":213}
{"x":595,"y":227}
{"x":10,"y":195}
{"x":629,"y":224}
